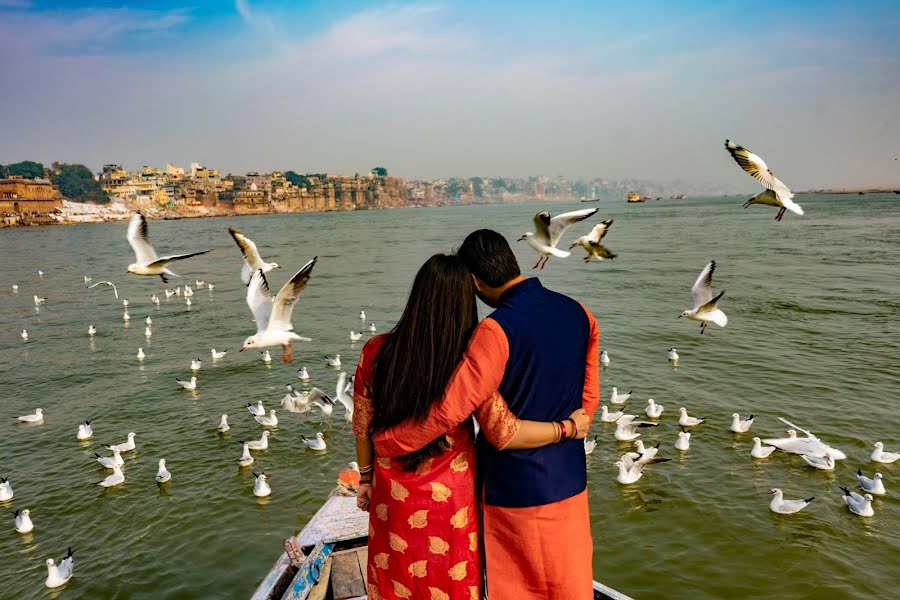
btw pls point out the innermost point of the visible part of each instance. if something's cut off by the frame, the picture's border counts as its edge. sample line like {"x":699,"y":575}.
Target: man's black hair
{"x":488,"y":256}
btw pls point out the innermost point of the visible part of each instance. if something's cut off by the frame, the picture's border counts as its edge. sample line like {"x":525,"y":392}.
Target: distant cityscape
{"x":31,"y":193}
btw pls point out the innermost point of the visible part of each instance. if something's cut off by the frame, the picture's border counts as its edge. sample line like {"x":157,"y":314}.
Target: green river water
{"x":813,"y":335}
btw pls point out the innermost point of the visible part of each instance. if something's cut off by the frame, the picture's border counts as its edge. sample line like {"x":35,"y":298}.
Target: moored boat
{"x":327,"y":559}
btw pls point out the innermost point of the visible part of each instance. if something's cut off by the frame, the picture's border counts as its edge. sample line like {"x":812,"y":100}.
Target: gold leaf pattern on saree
{"x":460,"y":463}
{"x":398,"y":492}
{"x":449,"y":441}
{"x":401,"y":590}
{"x":424,"y":466}
{"x":384,"y":463}
{"x":437,"y":594}
{"x":381,"y":560}
{"x":381,"y":511}
{"x":396,"y":542}
{"x":458,"y":571}
{"x":437,"y":546}
{"x":372,"y":590}
{"x":419,"y":568}
{"x":473,"y":593}
{"x":461,"y":518}
{"x":440,"y":492}
{"x":473,"y":541}
{"x":419,"y":519}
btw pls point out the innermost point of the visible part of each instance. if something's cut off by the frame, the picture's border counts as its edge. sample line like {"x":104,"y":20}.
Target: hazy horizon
{"x":438,"y":90}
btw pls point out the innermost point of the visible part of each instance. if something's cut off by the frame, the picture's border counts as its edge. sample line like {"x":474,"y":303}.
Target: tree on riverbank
{"x":76,"y":182}
{"x":27,"y":169}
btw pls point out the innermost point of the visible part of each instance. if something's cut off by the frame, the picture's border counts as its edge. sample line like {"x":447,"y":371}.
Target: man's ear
{"x":478,"y":285}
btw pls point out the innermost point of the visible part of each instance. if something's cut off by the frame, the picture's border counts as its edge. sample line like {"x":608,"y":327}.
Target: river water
{"x":813,"y":335}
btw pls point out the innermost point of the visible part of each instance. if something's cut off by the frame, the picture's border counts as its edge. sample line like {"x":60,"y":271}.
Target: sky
{"x":645,"y":90}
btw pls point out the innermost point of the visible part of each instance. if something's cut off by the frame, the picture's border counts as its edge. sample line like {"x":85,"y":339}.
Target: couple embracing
{"x":451,"y":516}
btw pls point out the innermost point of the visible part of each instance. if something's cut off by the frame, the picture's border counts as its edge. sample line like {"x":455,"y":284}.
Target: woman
{"x":423,"y":523}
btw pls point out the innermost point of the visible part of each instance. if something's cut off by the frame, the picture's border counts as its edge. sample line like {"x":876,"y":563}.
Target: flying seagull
{"x":776,"y":194}
{"x":273,"y":315}
{"x":549,"y":230}
{"x":148,"y":263}
{"x":109,"y":283}
{"x":252,"y":260}
{"x":705,"y":308}
{"x":591,"y":242}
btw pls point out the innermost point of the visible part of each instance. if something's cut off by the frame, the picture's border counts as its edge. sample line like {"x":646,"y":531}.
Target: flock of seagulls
{"x":273,"y":318}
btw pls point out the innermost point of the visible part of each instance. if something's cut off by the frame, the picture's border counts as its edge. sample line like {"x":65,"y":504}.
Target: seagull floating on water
{"x":672,"y":355}
{"x":628,"y":475}
{"x":196,"y":364}
{"x":252,"y":260}
{"x":317,"y":443}
{"x":625,"y":428}
{"x":92,"y":330}
{"x":36,"y":417}
{"x":262,"y":443}
{"x":140,"y":354}
{"x":258,"y":410}
{"x":39,"y":300}
{"x":191,"y":384}
{"x":617,"y":398}
{"x":110,"y":462}
{"x":705,"y":306}
{"x":188,"y":291}
{"x":273,"y":315}
{"x":246,"y":459}
{"x":188,"y":303}
{"x":333,"y":361}
{"x":128,"y":445}
{"x":85,"y":432}
{"x":858,"y":505}
{"x":592,"y":244}
{"x":24,"y":335}
{"x":117,"y":478}
{"x":362,"y":315}
{"x":825,"y":463}
{"x":154,"y":299}
{"x":223,"y":424}
{"x":15,"y":288}
{"x":148,"y":332}
{"x":148,"y":321}
{"x":372,"y":328}
{"x":608,"y":417}
{"x":59,"y":575}
{"x":776,"y":194}
{"x":811,"y":445}
{"x":684,"y":440}
{"x":218,"y":355}
{"x":265,"y":356}
{"x":6,"y":491}
{"x":355,"y":337}
{"x":125,"y":303}
{"x":549,"y":230}
{"x":147,"y":263}
{"x":22,"y":519}
{"x":162,"y":474}
{"x":590,"y":445}
{"x":786,"y":507}
{"x":654,"y":410}
{"x":879,"y":455}
{"x":760,"y":451}
{"x":261,"y":487}
{"x":604,"y":358}
{"x":687,"y":421}
{"x":268,"y":421}
{"x":739,"y":425}
{"x":125,"y":316}
{"x":872,"y":486}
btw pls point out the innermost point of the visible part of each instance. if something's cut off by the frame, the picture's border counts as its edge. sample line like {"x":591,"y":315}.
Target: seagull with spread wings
{"x":252,"y":259}
{"x":591,"y":242}
{"x":705,"y":306}
{"x":549,"y":230}
{"x":148,"y":263}
{"x":776,"y":194}
{"x":273,"y":315}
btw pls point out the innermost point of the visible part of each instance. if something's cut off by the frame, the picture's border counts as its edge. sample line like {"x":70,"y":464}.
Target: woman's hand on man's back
{"x":582,"y":423}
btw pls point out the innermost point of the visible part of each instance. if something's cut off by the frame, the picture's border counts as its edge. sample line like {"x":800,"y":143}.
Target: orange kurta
{"x":423,"y":524}
{"x":531,"y":553}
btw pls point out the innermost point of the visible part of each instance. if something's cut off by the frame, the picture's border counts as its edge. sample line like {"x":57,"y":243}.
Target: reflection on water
{"x":799,"y":344}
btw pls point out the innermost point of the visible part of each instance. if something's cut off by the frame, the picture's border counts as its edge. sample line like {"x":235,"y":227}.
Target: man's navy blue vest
{"x":548,"y":337}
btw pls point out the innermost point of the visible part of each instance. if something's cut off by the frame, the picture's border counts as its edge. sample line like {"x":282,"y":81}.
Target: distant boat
{"x":676,"y":197}
{"x":590,"y":199}
{"x":635,"y":197}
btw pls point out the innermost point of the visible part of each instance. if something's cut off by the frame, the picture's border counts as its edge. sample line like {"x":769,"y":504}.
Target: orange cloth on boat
{"x":539,"y":552}
{"x":424,"y":524}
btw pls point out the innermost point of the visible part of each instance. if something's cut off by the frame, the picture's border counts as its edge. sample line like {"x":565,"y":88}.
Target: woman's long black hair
{"x":423,"y":350}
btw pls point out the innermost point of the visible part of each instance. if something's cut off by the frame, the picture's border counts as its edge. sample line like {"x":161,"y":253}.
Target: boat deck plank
{"x":346,"y":575}
{"x":363,"y":555}
{"x":339,"y":519}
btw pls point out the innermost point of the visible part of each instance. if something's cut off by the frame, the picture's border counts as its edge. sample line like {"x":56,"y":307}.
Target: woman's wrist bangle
{"x":562,"y":426}
{"x":574,"y":429}
{"x":365,"y":481}
{"x":366,"y":469}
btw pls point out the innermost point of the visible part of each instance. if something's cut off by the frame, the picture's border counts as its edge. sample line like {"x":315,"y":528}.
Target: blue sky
{"x":615,"y":89}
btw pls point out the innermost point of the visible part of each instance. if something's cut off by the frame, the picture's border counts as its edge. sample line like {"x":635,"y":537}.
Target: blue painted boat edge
{"x":607,"y":593}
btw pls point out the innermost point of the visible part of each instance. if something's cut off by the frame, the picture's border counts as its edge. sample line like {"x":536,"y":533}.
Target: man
{"x":539,"y":350}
